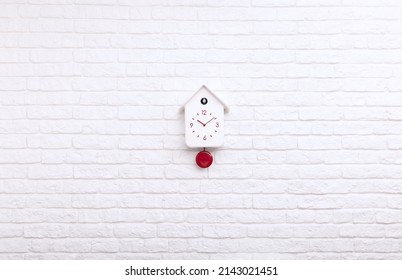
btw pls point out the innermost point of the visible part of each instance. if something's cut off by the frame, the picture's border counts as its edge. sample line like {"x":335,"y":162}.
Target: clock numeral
{"x":205,"y":137}
{"x":191,"y":124}
{"x":204,"y":112}
{"x":217,"y":124}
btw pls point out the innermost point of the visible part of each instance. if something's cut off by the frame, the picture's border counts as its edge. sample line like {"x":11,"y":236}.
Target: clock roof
{"x":200,"y":92}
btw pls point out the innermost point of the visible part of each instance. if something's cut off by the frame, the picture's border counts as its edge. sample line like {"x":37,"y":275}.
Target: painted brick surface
{"x":93,"y":163}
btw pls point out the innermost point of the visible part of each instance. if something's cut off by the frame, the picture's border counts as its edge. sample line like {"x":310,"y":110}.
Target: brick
{"x":13,"y":84}
{"x":363,"y":231}
{"x":133,"y":143}
{"x":140,"y":112}
{"x":328,"y":114}
{"x":337,"y":246}
{"x":277,"y":57}
{"x":49,"y":231}
{"x":272,"y":3}
{"x":13,"y":142}
{"x":12,"y":113}
{"x":274,"y":28}
{"x":279,"y":202}
{"x":276,"y":172}
{"x":394,"y":142}
{"x":275,"y":143}
{"x":266,"y":113}
{"x":92,"y":142}
{"x":319,"y":142}
{"x":259,"y":231}
{"x":135,"y":231}
{"x":14,"y":245}
{"x":50,"y":172}
{"x":101,"y":172}
{"x":183,"y":172}
{"x":94,"y":113}
{"x":173,"y":202}
{"x":49,"y":142}
{"x":362,"y":142}
{"x":11,"y":231}
{"x":320,"y":172}
{"x":49,"y":201}
{"x":179,"y":230}
{"x":46,"y":112}
{"x":56,"y":98}
{"x":141,"y":172}
{"x":230,"y":202}
{"x":94,"y":84}
{"x":321,"y":231}
{"x":235,"y":172}
{"x":376,"y":245}
{"x":20,"y":157}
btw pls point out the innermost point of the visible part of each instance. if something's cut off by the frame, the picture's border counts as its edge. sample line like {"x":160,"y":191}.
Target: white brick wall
{"x":92,"y":156}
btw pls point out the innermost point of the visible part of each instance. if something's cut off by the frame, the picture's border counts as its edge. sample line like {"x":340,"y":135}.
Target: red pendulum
{"x":204,"y":159}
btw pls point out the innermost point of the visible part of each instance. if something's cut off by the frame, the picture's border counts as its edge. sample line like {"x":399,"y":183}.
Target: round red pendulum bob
{"x":204,"y":159}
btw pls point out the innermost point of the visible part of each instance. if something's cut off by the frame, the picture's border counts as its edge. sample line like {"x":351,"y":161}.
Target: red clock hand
{"x":209,"y":121}
{"x":200,"y":122}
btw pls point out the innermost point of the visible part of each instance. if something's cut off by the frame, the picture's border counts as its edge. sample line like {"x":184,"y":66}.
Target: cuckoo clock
{"x":204,"y":124}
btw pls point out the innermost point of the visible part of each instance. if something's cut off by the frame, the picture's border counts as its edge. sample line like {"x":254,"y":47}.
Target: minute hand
{"x":209,"y":121}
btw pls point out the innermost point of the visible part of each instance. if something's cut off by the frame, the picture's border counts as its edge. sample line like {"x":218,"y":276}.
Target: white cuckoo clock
{"x":204,"y":123}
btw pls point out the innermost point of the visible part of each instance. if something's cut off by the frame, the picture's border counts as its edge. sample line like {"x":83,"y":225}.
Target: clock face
{"x":204,"y":124}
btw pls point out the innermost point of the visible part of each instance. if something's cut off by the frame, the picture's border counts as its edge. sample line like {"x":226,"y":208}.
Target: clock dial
{"x":204,"y":125}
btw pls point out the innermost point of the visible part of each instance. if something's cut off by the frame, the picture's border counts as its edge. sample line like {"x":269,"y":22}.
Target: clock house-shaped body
{"x":204,"y":119}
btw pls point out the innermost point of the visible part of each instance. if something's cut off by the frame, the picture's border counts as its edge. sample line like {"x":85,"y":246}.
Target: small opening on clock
{"x":204,"y":101}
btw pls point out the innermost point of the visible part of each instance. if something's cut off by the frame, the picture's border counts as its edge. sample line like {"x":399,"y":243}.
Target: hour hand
{"x":201,"y":122}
